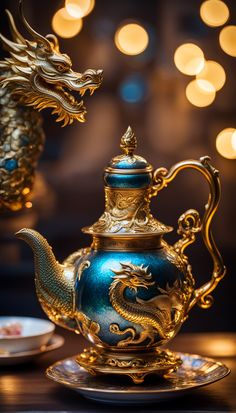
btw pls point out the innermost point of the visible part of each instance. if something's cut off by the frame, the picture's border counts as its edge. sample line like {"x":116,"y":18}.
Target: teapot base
{"x":136,"y":365}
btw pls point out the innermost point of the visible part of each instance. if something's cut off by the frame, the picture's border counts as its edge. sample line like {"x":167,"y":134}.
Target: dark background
{"x":168,"y":128}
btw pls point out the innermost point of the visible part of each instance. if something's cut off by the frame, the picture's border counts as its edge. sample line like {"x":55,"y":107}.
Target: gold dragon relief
{"x":159,"y":317}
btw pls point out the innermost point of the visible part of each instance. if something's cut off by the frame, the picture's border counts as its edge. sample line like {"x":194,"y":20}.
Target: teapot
{"x":129,"y":292}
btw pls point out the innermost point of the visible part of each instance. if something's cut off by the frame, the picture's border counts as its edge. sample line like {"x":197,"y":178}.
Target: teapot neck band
{"x":127,"y":243}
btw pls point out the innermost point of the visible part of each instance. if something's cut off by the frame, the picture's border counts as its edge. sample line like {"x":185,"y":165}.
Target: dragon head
{"x":134,"y":276}
{"x":37,"y":74}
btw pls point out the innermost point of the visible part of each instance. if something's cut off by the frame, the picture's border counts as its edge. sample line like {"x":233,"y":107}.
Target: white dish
{"x":26,"y":356}
{"x":35,"y":333}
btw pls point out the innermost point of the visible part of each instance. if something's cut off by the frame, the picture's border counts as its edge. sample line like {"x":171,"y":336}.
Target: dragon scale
{"x":21,"y":144}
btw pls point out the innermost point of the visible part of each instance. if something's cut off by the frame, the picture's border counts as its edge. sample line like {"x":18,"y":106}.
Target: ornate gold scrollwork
{"x":88,"y":328}
{"x":189,"y":224}
{"x":127,"y":211}
{"x":162,"y":177}
{"x":134,"y":365}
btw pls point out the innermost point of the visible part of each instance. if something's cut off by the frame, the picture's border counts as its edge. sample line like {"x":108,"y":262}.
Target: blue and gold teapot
{"x":129,"y":292}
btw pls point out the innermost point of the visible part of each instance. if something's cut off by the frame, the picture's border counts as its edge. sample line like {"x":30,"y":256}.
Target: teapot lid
{"x":128,"y":170}
{"x":128,"y":186}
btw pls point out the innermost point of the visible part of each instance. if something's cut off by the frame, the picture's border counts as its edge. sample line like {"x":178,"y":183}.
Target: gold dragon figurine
{"x":37,"y":75}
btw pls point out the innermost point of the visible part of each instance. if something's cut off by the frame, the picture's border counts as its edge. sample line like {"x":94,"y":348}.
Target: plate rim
{"x":58,"y":342}
{"x":139,"y":389}
{"x":51,"y":327}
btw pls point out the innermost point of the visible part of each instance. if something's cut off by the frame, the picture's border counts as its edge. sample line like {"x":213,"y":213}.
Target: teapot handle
{"x":189,"y":223}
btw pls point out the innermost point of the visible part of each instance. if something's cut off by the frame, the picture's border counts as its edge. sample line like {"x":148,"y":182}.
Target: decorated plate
{"x":194,"y":372}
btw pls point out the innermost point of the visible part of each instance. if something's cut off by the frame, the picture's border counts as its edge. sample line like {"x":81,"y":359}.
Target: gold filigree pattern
{"x":157,"y":316}
{"x":189,"y":222}
{"x":127,"y":211}
{"x":88,"y":328}
{"x":135,"y":365}
{"x":75,"y":256}
{"x":181,"y":262}
{"x":128,"y":142}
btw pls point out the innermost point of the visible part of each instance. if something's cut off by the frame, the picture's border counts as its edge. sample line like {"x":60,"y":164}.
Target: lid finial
{"x":128,"y":142}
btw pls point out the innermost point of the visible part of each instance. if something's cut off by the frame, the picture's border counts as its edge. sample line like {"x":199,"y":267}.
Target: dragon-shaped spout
{"x":37,"y":75}
{"x":54,"y":282}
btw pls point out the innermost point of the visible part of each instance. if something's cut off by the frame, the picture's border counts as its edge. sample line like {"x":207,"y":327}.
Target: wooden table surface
{"x":25,"y":388}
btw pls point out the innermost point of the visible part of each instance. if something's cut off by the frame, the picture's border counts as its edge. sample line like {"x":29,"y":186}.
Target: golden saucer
{"x":195,"y":371}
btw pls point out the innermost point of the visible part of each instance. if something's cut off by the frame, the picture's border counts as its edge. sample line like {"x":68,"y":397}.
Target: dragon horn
{"x":34,"y":34}
{"x":11,"y":46}
{"x":15,"y":34}
{"x":54,"y":39}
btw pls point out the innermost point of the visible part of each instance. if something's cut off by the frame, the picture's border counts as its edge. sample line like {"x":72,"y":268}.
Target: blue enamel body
{"x":128,"y":180}
{"x":92,"y":290}
{"x":125,"y":176}
{"x":128,"y":172}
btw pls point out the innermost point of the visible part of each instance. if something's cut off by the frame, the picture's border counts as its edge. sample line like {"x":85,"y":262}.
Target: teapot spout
{"x":54,"y":282}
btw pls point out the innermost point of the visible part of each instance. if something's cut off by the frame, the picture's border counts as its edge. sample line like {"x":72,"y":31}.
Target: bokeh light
{"x":214,"y":13}
{"x":214,"y":73}
{"x":233,"y":140}
{"x":64,"y":25}
{"x":133,"y":89}
{"x":26,"y":191}
{"x":200,"y":92}
{"x":227,"y":40}
{"x":28,"y":204}
{"x":189,"y":59}
{"x":79,"y":8}
{"x":225,"y":143}
{"x":131,"y":39}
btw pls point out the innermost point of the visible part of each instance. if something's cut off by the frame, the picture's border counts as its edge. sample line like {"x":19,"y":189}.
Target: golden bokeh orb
{"x":214,"y":73}
{"x":26,"y":191}
{"x":79,"y":8}
{"x":64,"y":25}
{"x":225,"y":143}
{"x":189,"y":59}
{"x":214,"y":12}
{"x":28,"y":204}
{"x":131,"y":39}
{"x":233,"y":140}
{"x":227,"y":40}
{"x":200,"y":93}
